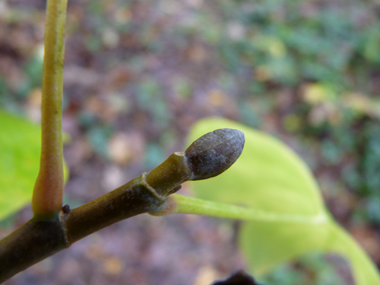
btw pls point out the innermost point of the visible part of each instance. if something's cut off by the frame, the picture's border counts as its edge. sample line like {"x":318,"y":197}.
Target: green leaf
{"x":289,"y":218}
{"x":268,"y":176}
{"x":20,"y":143}
{"x":268,"y":244}
{"x":20,"y":148}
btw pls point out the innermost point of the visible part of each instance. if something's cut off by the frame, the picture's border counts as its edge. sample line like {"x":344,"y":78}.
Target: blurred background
{"x":139,"y":73}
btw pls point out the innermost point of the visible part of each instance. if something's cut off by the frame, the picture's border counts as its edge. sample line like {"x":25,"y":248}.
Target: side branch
{"x":39,"y":238}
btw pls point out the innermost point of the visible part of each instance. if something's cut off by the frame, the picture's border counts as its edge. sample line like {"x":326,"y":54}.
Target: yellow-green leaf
{"x":268,"y":176}
{"x":20,"y":147}
{"x":20,"y":143}
{"x":290,"y":218}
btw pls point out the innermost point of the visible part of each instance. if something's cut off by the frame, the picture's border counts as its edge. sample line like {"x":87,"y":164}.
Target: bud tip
{"x":214,"y":152}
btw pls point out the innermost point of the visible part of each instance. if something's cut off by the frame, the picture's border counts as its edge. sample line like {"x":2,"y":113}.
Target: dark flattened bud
{"x":239,"y":277}
{"x":214,"y":153}
{"x":66,"y":209}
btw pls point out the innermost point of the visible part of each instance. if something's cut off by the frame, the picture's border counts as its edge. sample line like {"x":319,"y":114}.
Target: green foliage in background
{"x":20,"y":144}
{"x":11,"y":95}
{"x":290,"y":41}
{"x":291,"y":218}
{"x":291,"y":48}
{"x":311,"y":266}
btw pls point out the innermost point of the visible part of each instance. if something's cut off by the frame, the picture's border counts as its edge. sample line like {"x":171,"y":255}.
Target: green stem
{"x":48,"y":190}
{"x":179,"y":204}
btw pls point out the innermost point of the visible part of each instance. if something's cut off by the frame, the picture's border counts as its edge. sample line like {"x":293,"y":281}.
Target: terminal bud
{"x":214,"y":153}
